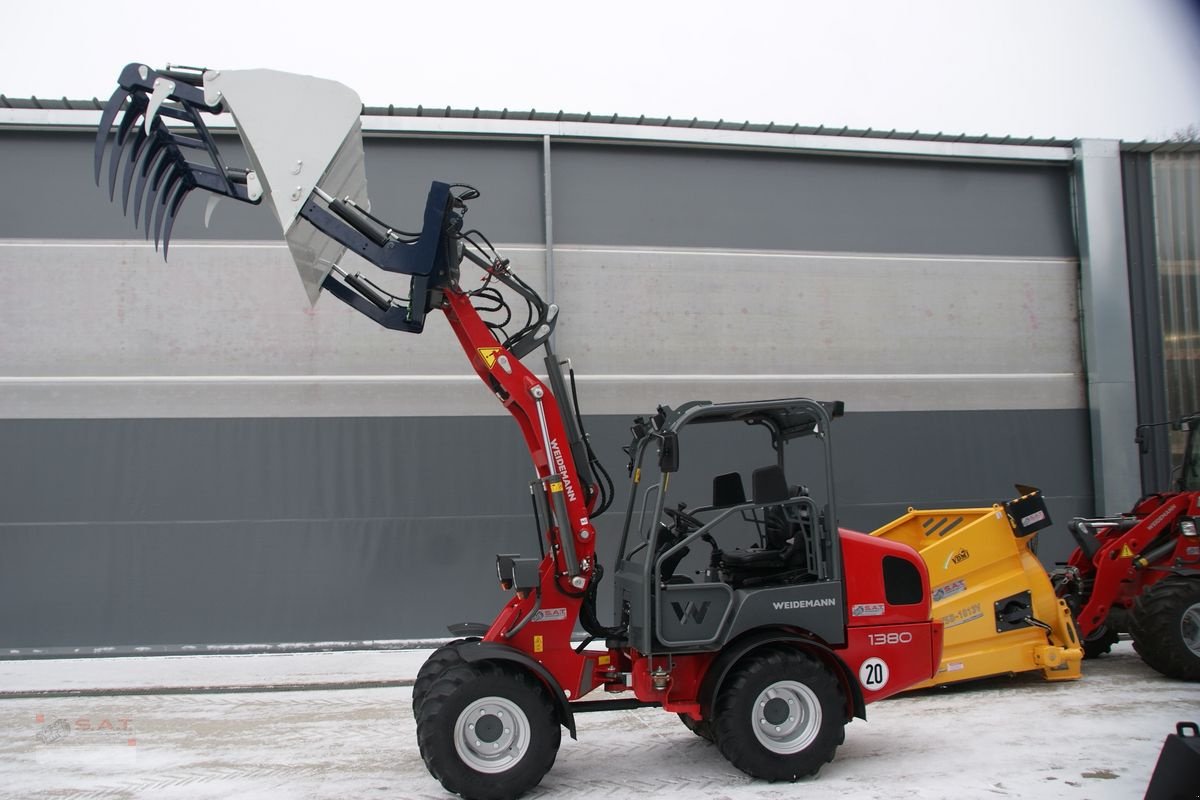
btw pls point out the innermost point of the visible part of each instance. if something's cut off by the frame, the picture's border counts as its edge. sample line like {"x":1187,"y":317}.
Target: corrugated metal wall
{"x":189,"y":455}
{"x":1177,"y":224}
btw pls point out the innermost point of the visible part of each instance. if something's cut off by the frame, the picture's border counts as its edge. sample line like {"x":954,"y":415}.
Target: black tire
{"x":1166,"y":627}
{"x":756,"y":721}
{"x":518,"y":746}
{"x":438,"y":662}
{"x":1100,"y":642}
{"x":701,"y":727}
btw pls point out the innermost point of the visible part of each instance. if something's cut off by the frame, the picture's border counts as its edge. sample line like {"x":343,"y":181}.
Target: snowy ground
{"x":1015,"y":737}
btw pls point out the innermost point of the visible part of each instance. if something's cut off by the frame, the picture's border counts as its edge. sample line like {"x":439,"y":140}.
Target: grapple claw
{"x":134,"y":125}
{"x":111,"y":108}
{"x":172,"y":212}
{"x":133,"y":114}
{"x":155,"y":153}
{"x":177,"y":179}
{"x":167,"y":164}
{"x":131,"y":166}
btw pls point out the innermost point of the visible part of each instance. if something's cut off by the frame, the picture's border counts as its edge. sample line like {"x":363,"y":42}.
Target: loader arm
{"x":303,"y":139}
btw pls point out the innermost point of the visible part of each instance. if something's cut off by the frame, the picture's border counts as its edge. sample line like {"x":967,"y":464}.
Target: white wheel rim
{"x":786,"y":717}
{"x":491,"y":735}
{"x":1189,"y":628}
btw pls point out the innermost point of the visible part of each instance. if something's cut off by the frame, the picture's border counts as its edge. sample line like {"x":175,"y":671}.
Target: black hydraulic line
{"x":587,"y":610}
{"x":605,"y":484}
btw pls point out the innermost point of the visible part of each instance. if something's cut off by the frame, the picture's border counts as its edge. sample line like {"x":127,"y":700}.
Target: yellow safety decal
{"x":537,"y":644}
{"x":488,"y":354}
{"x":602,"y":660}
{"x":556,"y":486}
{"x":1126,"y":552}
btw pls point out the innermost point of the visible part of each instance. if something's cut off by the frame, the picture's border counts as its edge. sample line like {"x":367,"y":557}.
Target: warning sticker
{"x":488,"y":354}
{"x":1126,"y":552}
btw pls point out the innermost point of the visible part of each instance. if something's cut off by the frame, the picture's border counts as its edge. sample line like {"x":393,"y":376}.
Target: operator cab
{"x":691,"y":575}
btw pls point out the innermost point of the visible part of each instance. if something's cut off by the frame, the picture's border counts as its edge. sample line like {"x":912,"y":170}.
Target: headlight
{"x":1187,"y":527}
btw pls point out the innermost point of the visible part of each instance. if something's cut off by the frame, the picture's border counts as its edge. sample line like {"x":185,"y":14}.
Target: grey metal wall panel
{"x":51,"y":174}
{"x":225,"y":330}
{"x":998,"y":332}
{"x":690,"y":198}
{"x":617,"y":195}
{"x":168,"y":471}
{"x":178,"y":532}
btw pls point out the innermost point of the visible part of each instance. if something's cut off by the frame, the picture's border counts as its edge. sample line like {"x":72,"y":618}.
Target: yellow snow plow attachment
{"x":990,"y":591}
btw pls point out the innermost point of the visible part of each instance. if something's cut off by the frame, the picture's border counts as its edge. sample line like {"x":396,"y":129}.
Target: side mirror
{"x":668,"y":452}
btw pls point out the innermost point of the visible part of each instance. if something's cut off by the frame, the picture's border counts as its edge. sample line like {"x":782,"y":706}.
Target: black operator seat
{"x":784,"y":549}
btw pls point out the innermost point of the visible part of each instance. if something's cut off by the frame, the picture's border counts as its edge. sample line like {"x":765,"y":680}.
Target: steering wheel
{"x":684,"y":520}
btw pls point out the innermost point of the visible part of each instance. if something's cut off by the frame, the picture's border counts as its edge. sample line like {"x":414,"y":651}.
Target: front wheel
{"x":1166,"y":627}
{"x":488,"y":731}
{"x":780,"y":715}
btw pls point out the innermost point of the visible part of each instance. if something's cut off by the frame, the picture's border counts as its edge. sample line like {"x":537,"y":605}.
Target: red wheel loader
{"x":1139,"y":572}
{"x":751,"y":616}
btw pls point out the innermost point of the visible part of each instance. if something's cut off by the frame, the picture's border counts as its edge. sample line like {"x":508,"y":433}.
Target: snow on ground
{"x":196,"y":672}
{"x":1011,"y":737}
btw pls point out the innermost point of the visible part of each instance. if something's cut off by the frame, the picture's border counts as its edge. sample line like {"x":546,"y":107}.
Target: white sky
{"x":1125,"y":69}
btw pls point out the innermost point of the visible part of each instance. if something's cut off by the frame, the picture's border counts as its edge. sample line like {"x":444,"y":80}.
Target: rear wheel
{"x":438,"y":662}
{"x":1166,"y":627}
{"x":780,"y":715}
{"x":488,"y":731}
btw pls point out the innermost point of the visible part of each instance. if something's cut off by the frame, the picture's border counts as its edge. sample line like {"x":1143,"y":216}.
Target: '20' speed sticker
{"x":873,"y":674}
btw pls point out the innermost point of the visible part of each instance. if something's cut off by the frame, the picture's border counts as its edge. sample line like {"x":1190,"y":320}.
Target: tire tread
{"x":1154,"y":626}
{"x":437,"y":748}
{"x":739,"y":745}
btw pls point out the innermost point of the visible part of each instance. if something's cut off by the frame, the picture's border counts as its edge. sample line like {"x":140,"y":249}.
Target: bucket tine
{"x":164,"y":166}
{"x":184,"y":188}
{"x":106,"y":121}
{"x":137,"y":107}
{"x":177,"y":178}
{"x":154,"y":154}
{"x":131,"y":165}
